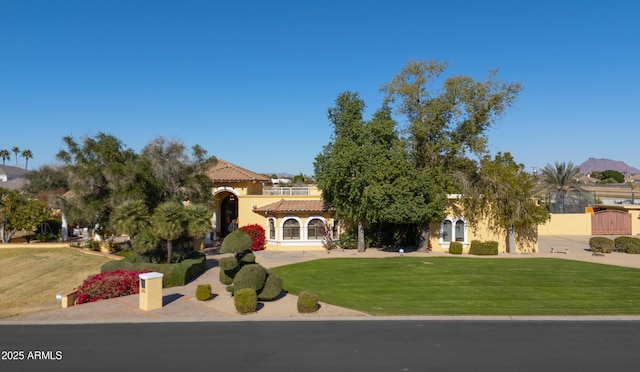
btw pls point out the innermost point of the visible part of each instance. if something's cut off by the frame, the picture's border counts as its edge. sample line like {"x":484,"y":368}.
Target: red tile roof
{"x":291,"y":206}
{"x":228,"y":172}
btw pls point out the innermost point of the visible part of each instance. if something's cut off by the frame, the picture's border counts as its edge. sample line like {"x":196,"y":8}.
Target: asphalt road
{"x":371,"y":345}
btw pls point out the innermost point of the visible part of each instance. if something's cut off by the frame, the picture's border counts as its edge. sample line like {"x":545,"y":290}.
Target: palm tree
{"x":5,"y":155}
{"x":27,"y":154}
{"x":130,"y":217}
{"x":168,"y":223}
{"x":198,"y":221}
{"x":16,"y":151}
{"x":144,"y":243}
{"x":559,"y":180}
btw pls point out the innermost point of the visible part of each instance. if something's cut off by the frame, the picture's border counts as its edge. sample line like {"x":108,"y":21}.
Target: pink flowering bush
{"x":108,"y":285}
{"x":257,"y":234}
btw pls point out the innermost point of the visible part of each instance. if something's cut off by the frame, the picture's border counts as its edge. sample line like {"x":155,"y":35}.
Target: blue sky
{"x":251,"y":81}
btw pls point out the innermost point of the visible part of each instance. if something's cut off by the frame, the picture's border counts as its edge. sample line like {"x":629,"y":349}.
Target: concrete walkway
{"x":180,"y":304}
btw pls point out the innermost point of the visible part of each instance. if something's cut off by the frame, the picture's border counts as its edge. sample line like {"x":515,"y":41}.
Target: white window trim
{"x":306,"y":226}
{"x":275,"y":227}
{"x":453,"y":221}
{"x":300,"y":233}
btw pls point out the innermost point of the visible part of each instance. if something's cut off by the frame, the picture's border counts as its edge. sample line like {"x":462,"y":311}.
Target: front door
{"x":229,"y":214}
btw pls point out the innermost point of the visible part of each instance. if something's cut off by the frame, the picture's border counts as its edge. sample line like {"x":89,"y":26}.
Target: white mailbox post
{"x":151,"y":290}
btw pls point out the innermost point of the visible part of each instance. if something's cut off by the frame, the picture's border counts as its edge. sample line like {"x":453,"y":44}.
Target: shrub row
{"x":174,"y":274}
{"x":489,"y":248}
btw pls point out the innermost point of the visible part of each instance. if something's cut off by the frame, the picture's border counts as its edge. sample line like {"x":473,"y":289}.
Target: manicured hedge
{"x":250,"y":276}
{"x":203,"y":292}
{"x":627,"y":244}
{"x":307,"y":302}
{"x":272,"y":288}
{"x":245,"y":300}
{"x":174,"y":274}
{"x":601,"y":244}
{"x":455,"y":248}
{"x":479,"y":248}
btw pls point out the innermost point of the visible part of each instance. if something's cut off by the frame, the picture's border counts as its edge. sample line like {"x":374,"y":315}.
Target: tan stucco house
{"x":292,"y":216}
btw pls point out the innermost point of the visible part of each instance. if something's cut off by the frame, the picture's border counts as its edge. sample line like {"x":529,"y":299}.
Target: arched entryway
{"x":228,"y":213}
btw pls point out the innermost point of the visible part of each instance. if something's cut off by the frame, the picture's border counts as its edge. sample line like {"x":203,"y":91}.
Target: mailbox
{"x":150,"y":290}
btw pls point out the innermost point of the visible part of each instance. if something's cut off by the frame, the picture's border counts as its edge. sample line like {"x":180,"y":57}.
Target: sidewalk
{"x":180,"y":304}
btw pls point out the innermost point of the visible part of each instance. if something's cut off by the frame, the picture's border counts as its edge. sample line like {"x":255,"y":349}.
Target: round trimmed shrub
{"x":601,"y":244}
{"x":250,"y":276}
{"x":248,"y":258}
{"x":203,"y":292}
{"x":245,"y":300}
{"x":455,"y":248}
{"x":307,"y":302}
{"x":272,"y":288}
{"x":236,"y":242}
{"x":228,"y":263}
{"x":226,"y":277}
{"x":228,"y":267}
{"x":627,"y":244}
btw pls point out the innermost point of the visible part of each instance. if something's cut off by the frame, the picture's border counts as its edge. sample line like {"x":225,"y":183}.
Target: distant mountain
{"x":599,"y":165}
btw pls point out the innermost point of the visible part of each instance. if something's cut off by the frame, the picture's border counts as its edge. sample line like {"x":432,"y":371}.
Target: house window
{"x":446,"y":231}
{"x":453,"y":230}
{"x":272,"y":229}
{"x":315,"y":229}
{"x":291,"y":230}
{"x":460,"y":231}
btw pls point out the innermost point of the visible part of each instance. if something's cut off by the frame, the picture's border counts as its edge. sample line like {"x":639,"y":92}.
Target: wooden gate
{"x":610,"y":222}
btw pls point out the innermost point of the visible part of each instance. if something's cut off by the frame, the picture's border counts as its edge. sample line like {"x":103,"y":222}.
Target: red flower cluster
{"x":109,"y":285}
{"x":257,"y":234}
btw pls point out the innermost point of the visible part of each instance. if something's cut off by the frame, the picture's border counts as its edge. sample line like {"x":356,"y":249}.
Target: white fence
{"x":286,"y":191}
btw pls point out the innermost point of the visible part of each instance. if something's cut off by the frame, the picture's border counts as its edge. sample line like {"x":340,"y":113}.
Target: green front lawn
{"x":468,"y":286}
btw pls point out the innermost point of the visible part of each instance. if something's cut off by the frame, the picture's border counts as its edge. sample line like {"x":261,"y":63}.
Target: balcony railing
{"x":286,"y":191}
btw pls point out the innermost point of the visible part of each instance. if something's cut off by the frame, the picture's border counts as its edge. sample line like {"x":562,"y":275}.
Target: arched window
{"x":453,"y":230}
{"x":272,"y":229}
{"x":446,"y":231}
{"x":291,"y":230}
{"x":315,"y":229}
{"x":460,"y":231}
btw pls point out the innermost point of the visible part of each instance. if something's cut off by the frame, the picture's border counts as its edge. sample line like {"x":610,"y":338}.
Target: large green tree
{"x":341,"y":169}
{"x":366,"y":174}
{"x":102,"y":173}
{"x":397,"y":191}
{"x":502,"y":193}
{"x":448,"y":123}
{"x":19,"y":212}
{"x":99,"y":177}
